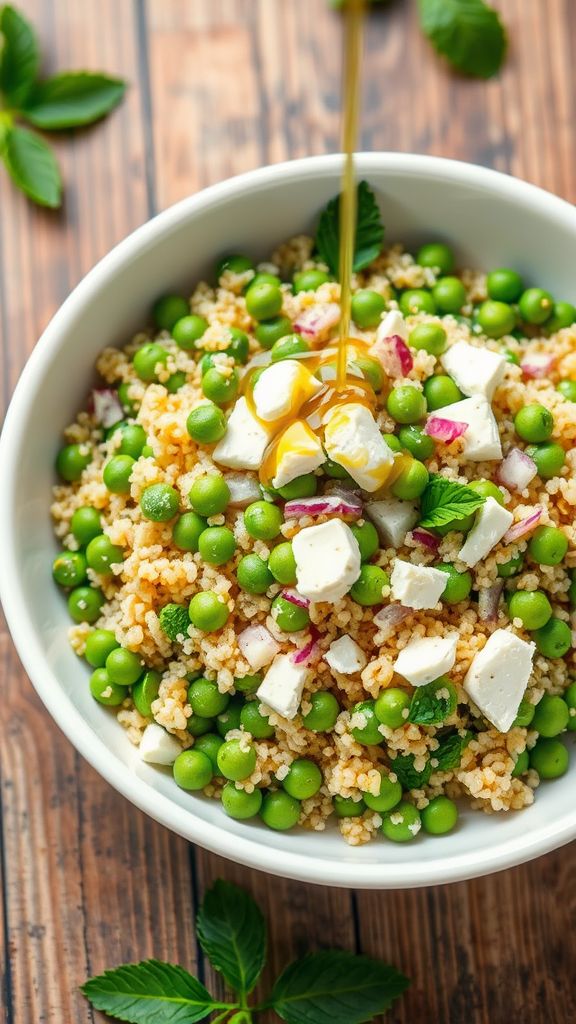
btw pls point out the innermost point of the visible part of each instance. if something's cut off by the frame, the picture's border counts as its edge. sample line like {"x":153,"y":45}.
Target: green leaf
{"x":444,"y":502}
{"x":449,"y":753}
{"x":335,"y":987}
{"x":20,"y":56}
{"x":434,"y":703}
{"x":32,"y":166}
{"x":232,"y":933}
{"x":72,"y":99}
{"x":369,"y":231}
{"x":408,"y":777}
{"x":468,"y":33}
{"x":151,"y":992}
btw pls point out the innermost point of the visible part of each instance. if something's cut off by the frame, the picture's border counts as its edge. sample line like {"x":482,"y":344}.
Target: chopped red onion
{"x":390,"y":616}
{"x":428,"y":540}
{"x":306,"y":653}
{"x":523,"y":526}
{"x":517,"y":470}
{"x":394,"y":355}
{"x":107,"y":407}
{"x":344,"y":504}
{"x":261,"y":637}
{"x":314,"y":322}
{"x":243,"y":489}
{"x":537,"y":364}
{"x":295,"y":598}
{"x":444,"y":430}
{"x":488,"y":601}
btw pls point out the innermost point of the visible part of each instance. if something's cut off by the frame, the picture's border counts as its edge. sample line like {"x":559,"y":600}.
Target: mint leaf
{"x":408,"y":777}
{"x":20,"y":56}
{"x":151,"y":992}
{"x":335,"y":987}
{"x":72,"y":99}
{"x":468,"y":33}
{"x":369,"y":231}
{"x":434,"y":703}
{"x":449,"y":753}
{"x":232,"y":933}
{"x":32,"y":166}
{"x":444,"y":502}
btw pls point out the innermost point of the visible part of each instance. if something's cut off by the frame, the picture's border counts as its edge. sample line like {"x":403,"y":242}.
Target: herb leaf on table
{"x":232,"y":933}
{"x":468,"y":33}
{"x":369,"y":231}
{"x":72,"y":99}
{"x":32,"y":166}
{"x":20,"y":57}
{"x":151,"y":992}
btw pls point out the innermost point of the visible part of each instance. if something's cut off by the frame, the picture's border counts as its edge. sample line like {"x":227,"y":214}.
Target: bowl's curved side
{"x":499,"y":218}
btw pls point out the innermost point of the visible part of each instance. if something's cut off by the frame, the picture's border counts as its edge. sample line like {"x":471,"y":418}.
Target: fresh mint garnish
{"x":151,"y":992}
{"x":449,"y":753}
{"x":232,"y":933}
{"x":432,"y":704}
{"x":444,"y":501}
{"x":408,"y":777}
{"x":468,"y":33}
{"x":369,"y":231}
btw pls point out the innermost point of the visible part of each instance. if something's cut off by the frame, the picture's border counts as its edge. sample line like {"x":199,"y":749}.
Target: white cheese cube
{"x":258,"y":646}
{"x":392,"y":323}
{"x":417,"y":586}
{"x":282,"y":389}
{"x":157,"y":746}
{"x":426,"y":659}
{"x":393,"y":519}
{"x":245,"y":440}
{"x":346,"y":656}
{"x":353,"y":440}
{"x":298,"y":452}
{"x":491,"y":524}
{"x":282,"y":686}
{"x":476,"y":371}
{"x":327,"y":560}
{"x":481,"y":438}
{"x":498,"y":677}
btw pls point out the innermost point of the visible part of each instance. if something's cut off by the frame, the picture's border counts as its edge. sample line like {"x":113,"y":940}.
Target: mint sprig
{"x":331,"y":986}
{"x":430,"y":705}
{"x":369,"y":231}
{"x":444,"y":502}
{"x":468,"y":33}
{"x":70,"y":99}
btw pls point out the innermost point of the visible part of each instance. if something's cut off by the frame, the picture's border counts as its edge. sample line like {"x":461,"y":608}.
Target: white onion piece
{"x":289,"y":594}
{"x":389,"y":617}
{"x":107,"y":407}
{"x":258,"y":646}
{"x":444,"y":430}
{"x":314,"y":322}
{"x":517,"y":470}
{"x":537,"y":364}
{"x":393,"y":354}
{"x":345,"y":504}
{"x":243,"y":489}
{"x":523,"y":526}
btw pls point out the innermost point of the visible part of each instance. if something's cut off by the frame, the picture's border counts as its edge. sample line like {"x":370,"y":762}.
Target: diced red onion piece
{"x":517,"y":470}
{"x":107,"y":407}
{"x":444,"y":430}
{"x":243,"y":489}
{"x":488,"y":601}
{"x":345,"y":504}
{"x":314,"y":322}
{"x":257,"y":634}
{"x":390,"y":616}
{"x":428,"y":540}
{"x":306,"y":653}
{"x":394,"y":355}
{"x":524,"y":526}
{"x":537,"y":364}
{"x":295,"y":598}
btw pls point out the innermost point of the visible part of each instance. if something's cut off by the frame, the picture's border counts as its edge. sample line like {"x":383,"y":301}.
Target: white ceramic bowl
{"x":492,"y":220}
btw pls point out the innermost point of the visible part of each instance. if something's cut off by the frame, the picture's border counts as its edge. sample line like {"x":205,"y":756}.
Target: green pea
{"x":392,"y":707}
{"x":280,"y":811}
{"x":248,"y":684}
{"x":406,"y":404}
{"x":367,"y":308}
{"x":84,"y":604}
{"x":393,"y":442}
{"x":72,"y":461}
{"x":289,"y":617}
{"x":323,"y":712}
{"x":548,"y":545}
{"x":130,"y":405}
{"x":189,"y":330}
{"x":570,"y":698}
{"x":336,"y":472}
{"x":367,"y":590}
{"x":536,"y":305}
{"x":522,"y":765}
{"x":102,"y":554}
{"x":309,"y":280}
{"x":282,"y":564}
{"x":532,"y":607}
{"x":124,"y":667}
{"x":173,"y":384}
{"x":99,"y":644}
{"x":551,"y":716}
{"x":549,"y":758}
{"x":217,"y":545}
{"x":302,"y":487}
{"x":198,"y":726}
{"x":239,"y":347}
{"x":147,"y":359}
{"x":563,"y":315}
{"x":174,"y":621}
{"x":430,"y":338}
{"x":347,"y":807}
{"x":486,"y":489}
{"x":437,"y":256}
{"x":524,"y":715}
{"x":263,"y":300}
{"x":411,"y":482}
{"x":168,"y":310}
{"x":567,"y":388}
{"x":367,"y":734}
{"x":147,"y":452}
{"x":367,"y":539}
{"x":534,"y":423}
{"x":192,"y":770}
{"x":235,"y":263}
{"x":496,"y":318}
{"x":253,"y":721}
{"x":548,"y":457}
{"x":206,"y":423}
{"x":159,"y":502}
{"x":439,"y":391}
{"x":263,"y":520}
{"x":268,"y":332}
{"x":239,"y":804}
{"x":303,"y":779}
{"x":219,"y":387}
{"x":389,"y":795}
{"x":145,"y":692}
{"x":205,"y":698}
{"x":553,"y":640}
{"x":209,"y":743}
{"x":372,"y":371}
{"x":458,"y":586}
{"x":416,"y":441}
{"x":263,"y":277}
{"x":288,"y":347}
{"x":449,"y":295}
{"x":253,"y":574}
{"x":104,"y":690}
{"x":401,"y":824}
{"x":186,"y":531}
{"x":504,"y":285}
{"x":230,"y":719}
{"x":439,"y":816}
{"x":208,"y":611}
{"x":86,"y":523}
{"x":511,"y":568}
{"x":69,"y":569}
{"x":133,"y":440}
{"x":117,"y":472}
{"x":235,"y":762}
{"x":417,"y":300}
{"x":209,"y":494}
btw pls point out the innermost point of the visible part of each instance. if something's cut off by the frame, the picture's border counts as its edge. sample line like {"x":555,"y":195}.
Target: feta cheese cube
{"x":353,"y":440}
{"x":392,"y":323}
{"x":498,"y":677}
{"x":393,"y":519}
{"x":282,"y":686}
{"x":157,"y":746}
{"x":327,"y":560}
{"x":491,"y":524}
{"x":282,"y":389}
{"x":417,"y":586}
{"x":345,"y":656}
{"x":476,"y":371}
{"x":426,"y":659}
{"x":481,"y":438}
{"x":298,"y":451}
{"x":245,"y":440}
{"x":258,"y":646}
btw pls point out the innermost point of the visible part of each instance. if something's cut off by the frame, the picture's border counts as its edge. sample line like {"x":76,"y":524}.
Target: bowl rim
{"x":216,"y":838}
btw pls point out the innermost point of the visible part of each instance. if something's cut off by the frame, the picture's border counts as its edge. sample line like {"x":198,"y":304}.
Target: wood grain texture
{"x":219,"y":87}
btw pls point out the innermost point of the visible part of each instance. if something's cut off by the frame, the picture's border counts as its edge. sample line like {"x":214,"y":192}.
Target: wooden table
{"x":218,"y":87}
